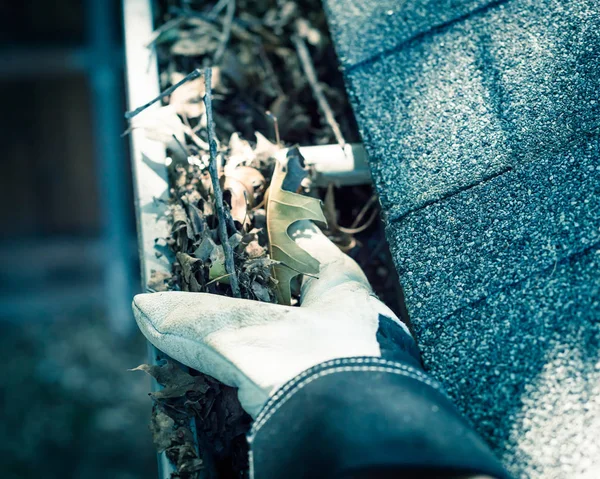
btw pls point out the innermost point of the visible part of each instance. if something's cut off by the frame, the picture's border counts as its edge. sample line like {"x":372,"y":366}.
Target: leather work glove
{"x":258,"y":347}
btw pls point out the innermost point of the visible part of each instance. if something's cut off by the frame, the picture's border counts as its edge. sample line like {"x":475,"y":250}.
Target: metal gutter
{"x":150,"y":178}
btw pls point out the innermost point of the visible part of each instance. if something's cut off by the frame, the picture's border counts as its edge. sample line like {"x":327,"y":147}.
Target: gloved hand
{"x":257,"y":347}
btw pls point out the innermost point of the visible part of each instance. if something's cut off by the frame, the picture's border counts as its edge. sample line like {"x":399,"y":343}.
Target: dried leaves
{"x":184,"y":395}
{"x":176,"y":381}
{"x":162,"y":427}
{"x":259,"y":69}
{"x":199,"y":255}
{"x":163,"y":125}
{"x":159,"y":281}
{"x":283,"y":209}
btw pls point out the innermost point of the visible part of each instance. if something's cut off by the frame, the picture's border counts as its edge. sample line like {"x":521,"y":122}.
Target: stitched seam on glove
{"x":331,"y":367}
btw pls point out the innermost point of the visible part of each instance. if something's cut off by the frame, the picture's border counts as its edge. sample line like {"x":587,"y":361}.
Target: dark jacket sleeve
{"x":365,"y":417}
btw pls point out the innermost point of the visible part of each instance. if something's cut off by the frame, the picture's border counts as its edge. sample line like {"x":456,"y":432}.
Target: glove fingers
{"x":180,"y":323}
{"x":339,"y":275}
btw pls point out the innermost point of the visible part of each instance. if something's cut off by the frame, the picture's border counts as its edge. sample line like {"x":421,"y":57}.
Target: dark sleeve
{"x":365,"y":417}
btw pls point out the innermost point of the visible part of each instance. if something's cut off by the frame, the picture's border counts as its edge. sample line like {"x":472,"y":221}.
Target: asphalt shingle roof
{"x":482,"y":122}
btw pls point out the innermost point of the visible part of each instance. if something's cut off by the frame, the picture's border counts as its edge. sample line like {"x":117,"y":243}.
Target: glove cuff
{"x":365,"y":416}
{"x":372,"y":364}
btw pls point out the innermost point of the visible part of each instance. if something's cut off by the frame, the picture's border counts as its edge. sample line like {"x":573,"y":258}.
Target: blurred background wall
{"x":68,"y":263}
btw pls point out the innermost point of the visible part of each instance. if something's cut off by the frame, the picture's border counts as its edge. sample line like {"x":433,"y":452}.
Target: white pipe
{"x":346,"y":166}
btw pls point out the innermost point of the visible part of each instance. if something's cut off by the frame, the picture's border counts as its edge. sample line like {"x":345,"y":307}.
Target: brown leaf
{"x":235,"y":240}
{"x":187,"y":99}
{"x":212,"y":254}
{"x":159,"y":280}
{"x":175,"y":380}
{"x":189,"y":267}
{"x":264,"y":149}
{"x":197,"y":220}
{"x":240,"y":153}
{"x":181,"y":229}
{"x":236,"y":195}
{"x":250,"y":178}
{"x":162,"y":428}
{"x":261,"y":292}
{"x":255,"y":250}
{"x":205,"y":249}
{"x":191,"y":466}
{"x":179,"y":216}
{"x":283,"y":209}
{"x":258,"y":265}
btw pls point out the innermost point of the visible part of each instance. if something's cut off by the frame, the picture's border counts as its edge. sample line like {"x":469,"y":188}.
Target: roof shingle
{"x":482,"y":122}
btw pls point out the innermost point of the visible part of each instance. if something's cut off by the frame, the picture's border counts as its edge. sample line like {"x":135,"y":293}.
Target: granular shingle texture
{"x":482,"y":122}
{"x":499,"y":232}
{"x":441,"y":131}
{"x":366,"y":28}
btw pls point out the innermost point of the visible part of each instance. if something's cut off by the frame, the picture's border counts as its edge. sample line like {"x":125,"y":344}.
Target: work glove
{"x":258,"y":347}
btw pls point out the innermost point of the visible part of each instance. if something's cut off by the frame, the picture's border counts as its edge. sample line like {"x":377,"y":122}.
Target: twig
{"x":174,"y":22}
{"x":218,"y":278}
{"x":270,"y":71}
{"x":238,"y":28}
{"x":196,"y":140}
{"x":212,"y":169}
{"x":195,"y":74}
{"x":359,"y":229}
{"x":183,"y":148}
{"x":230,"y":222}
{"x":197,"y":19}
{"x":226,"y":32}
{"x":214,"y":12}
{"x":363,"y":211}
{"x":275,"y":127}
{"x":354,"y":229}
{"x":311,"y":75}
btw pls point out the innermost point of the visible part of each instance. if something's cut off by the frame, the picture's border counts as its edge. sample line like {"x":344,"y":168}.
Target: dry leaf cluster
{"x":186,"y":395}
{"x":199,"y":265}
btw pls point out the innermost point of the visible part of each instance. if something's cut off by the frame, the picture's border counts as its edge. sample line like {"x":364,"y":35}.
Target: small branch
{"x":196,"y":140}
{"x":218,"y":8}
{"x":214,"y":175}
{"x":275,"y":127}
{"x":183,"y":148}
{"x":200,"y":19}
{"x":217,"y":279}
{"x":227,"y":23}
{"x":311,"y":75}
{"x":195,"y":74}
{"x":174,"y":22}
{"x":270,"y":71}
{"x":230,"y":222}
{"x":363,"y":211}
{"x":360,"y":229}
